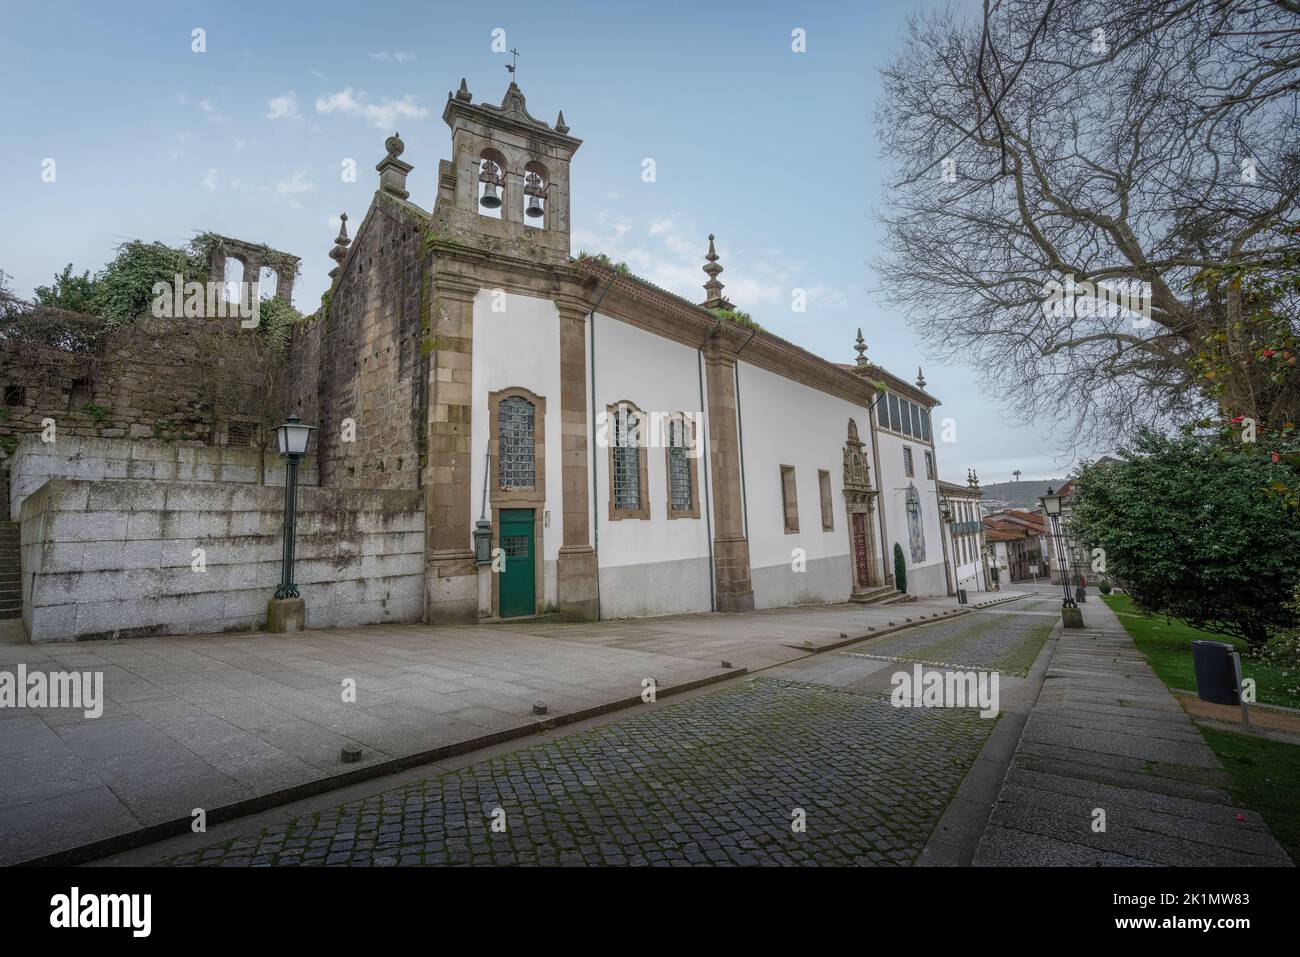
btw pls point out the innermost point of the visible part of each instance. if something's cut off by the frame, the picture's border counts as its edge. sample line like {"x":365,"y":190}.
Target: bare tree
{"x":1120,"y":143}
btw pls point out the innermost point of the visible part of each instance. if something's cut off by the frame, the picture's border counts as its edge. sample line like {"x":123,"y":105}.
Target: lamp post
{"x":286,"y":611}
{"x":1070,"y":614}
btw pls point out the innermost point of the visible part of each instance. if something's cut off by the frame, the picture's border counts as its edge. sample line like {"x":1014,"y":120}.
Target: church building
{"x":586,"y":442}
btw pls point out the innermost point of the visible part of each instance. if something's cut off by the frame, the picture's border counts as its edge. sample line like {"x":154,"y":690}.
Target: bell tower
{"x":506,"y":186}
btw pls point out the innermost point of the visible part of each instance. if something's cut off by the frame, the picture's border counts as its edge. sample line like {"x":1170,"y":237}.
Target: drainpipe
{"x":740,"y":437}
{"x":704,"y":440}
{"x":591,"y":449}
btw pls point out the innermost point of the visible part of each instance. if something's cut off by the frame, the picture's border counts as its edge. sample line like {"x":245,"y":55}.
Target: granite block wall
{"x":117,"y":558}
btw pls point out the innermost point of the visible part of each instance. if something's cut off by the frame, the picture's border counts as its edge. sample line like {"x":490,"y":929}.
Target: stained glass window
{"x":517,"y":463}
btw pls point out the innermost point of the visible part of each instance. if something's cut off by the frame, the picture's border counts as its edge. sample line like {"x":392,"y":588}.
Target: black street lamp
{"x":1069,"y":610}
{"x":292,"y":438}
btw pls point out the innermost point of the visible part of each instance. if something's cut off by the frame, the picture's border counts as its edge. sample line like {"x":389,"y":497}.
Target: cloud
{"x":669,"y":251}
{"x":382,"y":115}
{"x":398,"y":56}
{"x":210,"y":181}
{"x":214,"y":114}
{"x":284,"y":107}
{"x":293,"y":187}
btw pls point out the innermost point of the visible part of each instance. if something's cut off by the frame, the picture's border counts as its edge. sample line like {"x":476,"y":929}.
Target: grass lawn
{"x":1168,"y":649}
{"x":1265,"y":778}
{"x":1265,"y":774}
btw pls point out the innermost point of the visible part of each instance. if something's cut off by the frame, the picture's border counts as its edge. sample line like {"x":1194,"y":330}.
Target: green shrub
{"x":1104,"y":587}
{"x":900,"y":568}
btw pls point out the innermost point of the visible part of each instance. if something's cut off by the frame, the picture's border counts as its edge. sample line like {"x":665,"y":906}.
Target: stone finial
{"x":972,"y":480}
{"x":920,"y":378}
{"x":860,"y":347}
{"x":392,"y":171}
{"x":463,"y":92}
{"x":560,"y":125}
{"x":713,"y":288}
{"x":341,"y":244}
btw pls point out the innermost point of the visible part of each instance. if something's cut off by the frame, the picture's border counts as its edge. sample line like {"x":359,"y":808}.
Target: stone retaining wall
{"x":112,"y":559}
{"x":81,"y":457}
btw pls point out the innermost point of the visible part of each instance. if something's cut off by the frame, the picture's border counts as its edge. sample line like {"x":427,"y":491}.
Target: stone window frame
{"x":517,"y":497}
{"x":642,"y":513}
{"x":909,"y":464}
{"x":789,"y":500}
{"x":688,"y":421}
{"x":535,"y":498}
{"x":929,"y":463}
{"x":828,"y":510}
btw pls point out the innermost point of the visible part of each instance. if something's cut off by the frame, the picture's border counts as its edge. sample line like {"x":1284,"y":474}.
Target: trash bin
{"x":1216,"y":675}
{"x":961,"y":596}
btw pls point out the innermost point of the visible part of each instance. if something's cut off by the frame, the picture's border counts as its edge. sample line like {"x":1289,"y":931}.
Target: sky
{"x":770,"y":149}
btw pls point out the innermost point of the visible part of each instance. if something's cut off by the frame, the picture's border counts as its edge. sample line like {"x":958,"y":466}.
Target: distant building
{"x":1016,"y":544}
{"x":964,"y":535}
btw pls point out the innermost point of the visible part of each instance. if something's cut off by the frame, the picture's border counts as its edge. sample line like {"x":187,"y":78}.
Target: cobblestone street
{"x":722,"y":778}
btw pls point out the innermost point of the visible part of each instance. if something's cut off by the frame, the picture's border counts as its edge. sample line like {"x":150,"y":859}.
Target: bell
{"x":534,"y":209}
{"x":491,"y":198}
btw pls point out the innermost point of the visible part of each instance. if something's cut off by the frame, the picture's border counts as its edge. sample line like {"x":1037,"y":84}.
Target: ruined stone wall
{"x":372,"y":356}
{"x":106,"y":559}
{"x":136,"y":387}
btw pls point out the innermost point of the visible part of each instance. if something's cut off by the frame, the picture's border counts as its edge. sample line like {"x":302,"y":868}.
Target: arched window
{"x":234,"y":276}
{"x":516,"y":454}
{"x":268,"y":283}
{"x":491,"y":183}
{"x":536,"y":182}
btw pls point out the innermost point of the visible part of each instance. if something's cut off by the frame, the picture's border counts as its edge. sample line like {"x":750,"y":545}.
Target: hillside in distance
{"x":1023,"y":494}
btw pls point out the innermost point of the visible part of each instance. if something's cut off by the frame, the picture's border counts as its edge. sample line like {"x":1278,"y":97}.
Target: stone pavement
{"x":716,"y":778}
{"x":1107,"y":734}
{"x":237,"y":722}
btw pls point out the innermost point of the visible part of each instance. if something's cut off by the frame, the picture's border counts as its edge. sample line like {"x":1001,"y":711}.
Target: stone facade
{"x":359,"y":366}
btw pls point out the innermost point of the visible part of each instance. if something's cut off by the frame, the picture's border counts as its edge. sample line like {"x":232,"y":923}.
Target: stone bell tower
{"x":506,"y":187}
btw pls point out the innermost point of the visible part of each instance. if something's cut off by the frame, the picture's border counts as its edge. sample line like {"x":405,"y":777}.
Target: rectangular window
{"x":907,"y":462}
{"x":681,"y":470}
{"x":895,"y":422}
{"x":789,"y":501}
{"x":516,"y":452}
{"x":905,"y":408}
{"x":627,"y":463}
{"x":828,"y":514}
{"x":882,"y":410}
{"x":916,"y":421}
{"x":925,"y":424}
{"x":929,"y":465}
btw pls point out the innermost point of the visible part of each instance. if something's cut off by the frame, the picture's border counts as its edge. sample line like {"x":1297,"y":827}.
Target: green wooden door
{"x":518,"y":585}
